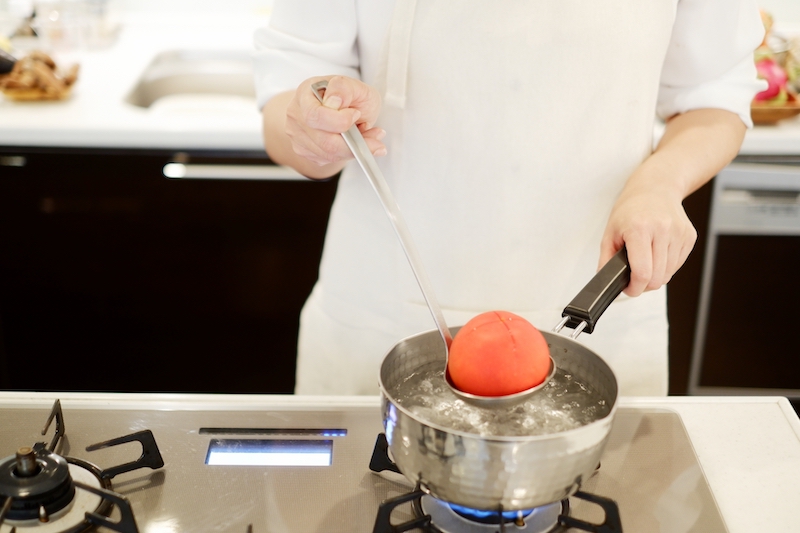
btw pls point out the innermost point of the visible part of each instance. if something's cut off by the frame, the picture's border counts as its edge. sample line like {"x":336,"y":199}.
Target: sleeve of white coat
{"x":709,"y":62}
{"x":304,"y":38}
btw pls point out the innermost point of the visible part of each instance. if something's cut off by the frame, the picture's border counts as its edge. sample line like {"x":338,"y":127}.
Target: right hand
{"x":315,"y":129}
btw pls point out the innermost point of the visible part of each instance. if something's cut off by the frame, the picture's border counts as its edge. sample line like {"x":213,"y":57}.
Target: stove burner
{"x":38,"y":483}
{"x":37,"y":486}
{"x":489,"y":517}
{"x":451,"y":518}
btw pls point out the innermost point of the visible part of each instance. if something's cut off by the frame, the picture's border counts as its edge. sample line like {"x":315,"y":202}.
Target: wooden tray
{"x":764,"y":114}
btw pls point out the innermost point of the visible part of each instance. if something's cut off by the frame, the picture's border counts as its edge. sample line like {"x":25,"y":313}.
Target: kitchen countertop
{"x":749,"y":447}
{"x":96,"y":116}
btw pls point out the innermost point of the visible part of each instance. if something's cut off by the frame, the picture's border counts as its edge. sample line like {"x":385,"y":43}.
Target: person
{"x":518,"y":140}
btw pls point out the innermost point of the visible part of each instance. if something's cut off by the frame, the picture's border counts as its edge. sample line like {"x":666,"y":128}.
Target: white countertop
{"x":749,"y":447}
{"x":96,"y":115}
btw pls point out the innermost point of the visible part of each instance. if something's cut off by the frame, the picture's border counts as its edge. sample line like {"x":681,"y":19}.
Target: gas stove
{"x":251,"y":464}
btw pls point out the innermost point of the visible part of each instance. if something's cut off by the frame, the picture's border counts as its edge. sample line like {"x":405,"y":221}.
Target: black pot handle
{"x":588,"y":306}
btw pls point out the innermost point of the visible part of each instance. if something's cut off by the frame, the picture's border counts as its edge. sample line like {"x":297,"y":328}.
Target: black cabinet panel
{"x":113,"y":277}
{"x":683,"y":294}
{"x":750,"y":336}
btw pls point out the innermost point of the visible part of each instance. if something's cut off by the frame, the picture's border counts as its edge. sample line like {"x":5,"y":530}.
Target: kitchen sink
{"x":179,"y":72}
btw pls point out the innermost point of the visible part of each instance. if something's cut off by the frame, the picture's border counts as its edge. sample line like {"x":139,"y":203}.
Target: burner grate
{"x":37,"y":484}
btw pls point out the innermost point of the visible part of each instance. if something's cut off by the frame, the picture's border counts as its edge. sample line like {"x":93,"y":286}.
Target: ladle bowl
{"x":507,"y":400}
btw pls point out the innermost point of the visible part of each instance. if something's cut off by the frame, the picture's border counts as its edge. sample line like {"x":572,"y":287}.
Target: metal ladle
{"x":355,"y":141}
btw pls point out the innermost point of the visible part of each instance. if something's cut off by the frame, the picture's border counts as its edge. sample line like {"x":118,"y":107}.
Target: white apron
{"x":512,"y":127}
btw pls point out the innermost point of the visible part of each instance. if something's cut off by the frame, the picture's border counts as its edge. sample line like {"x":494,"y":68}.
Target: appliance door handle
{"x":199,"y":171}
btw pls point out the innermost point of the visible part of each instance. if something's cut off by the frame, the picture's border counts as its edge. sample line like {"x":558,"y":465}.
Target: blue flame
{"x":484,"y":516}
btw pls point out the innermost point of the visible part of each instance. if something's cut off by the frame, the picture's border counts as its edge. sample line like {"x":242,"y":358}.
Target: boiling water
{"x":563,"y":403}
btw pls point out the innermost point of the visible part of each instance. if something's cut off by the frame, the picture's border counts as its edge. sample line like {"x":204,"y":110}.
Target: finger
{"x":329,"y":147}
{"x":330,"y":116}
{"x":609,"y":246}
{"x":640,"y":258}
{"x":331,"y":120}
{"x":675,"y":260}
{"x":684,"y":253}
{"x":313,"y":155}
{"x":343,"y":92}
{"x":373,"y":138}
{"x":680,"y":253}
{"x":324,"y":148}
{"x":318,"y":146}
{"x":660,"y":260}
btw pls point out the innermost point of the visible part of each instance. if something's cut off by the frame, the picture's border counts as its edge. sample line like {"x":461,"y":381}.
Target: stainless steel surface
{"x":355,"y":141}
{"x":575,"y":332}
{"x":480,"y":472}
{"x":188,"y":495}
{"x":194,"y":72}
{"x":26,"y":462}
{"x":648,"y":467}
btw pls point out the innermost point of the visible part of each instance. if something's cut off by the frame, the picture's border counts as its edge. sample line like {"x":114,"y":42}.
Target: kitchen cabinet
{"x":125,"y":280}
{"x":736,"y":290}
{"x":749,"y":281}
{"x":683,"y":291}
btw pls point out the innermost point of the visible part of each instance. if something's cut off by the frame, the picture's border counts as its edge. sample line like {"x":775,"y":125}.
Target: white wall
{"x":193,"y":5}
{"x":786,"y":12}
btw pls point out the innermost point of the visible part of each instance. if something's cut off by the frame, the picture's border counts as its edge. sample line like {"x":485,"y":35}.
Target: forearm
{"x":696,"y":145}
{"x":279,"y":146}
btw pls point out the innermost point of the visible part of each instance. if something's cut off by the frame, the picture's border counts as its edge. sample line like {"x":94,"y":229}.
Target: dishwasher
{"x":746,"y":340}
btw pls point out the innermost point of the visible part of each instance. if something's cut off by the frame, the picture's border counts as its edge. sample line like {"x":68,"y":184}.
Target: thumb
{"x":343,"y":92}
{"x":332,"y":101}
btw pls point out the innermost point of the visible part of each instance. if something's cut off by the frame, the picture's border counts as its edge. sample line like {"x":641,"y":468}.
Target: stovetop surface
{"x":648,"y":467}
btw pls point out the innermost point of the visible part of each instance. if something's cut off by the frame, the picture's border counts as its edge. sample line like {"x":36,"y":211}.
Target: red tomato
{"x":498,"y":353}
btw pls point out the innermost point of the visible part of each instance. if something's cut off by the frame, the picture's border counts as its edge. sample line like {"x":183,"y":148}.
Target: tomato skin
{"x":498,"y":353}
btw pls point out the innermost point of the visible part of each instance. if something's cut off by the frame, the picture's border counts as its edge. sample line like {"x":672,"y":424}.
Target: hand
{"x":315,"y":129}
{"x":648,"y":216}
{"x":650,"y":220}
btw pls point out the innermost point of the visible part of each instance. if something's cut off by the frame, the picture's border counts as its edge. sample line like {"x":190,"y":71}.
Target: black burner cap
{"x":49,"y":486}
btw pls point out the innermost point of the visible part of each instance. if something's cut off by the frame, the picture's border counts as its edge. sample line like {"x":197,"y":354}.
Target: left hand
{"x":648,"y":216}
{"x":649,"y":219}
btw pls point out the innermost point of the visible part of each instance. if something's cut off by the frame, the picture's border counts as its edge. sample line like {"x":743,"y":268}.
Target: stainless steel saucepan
{"x":506,"y":472}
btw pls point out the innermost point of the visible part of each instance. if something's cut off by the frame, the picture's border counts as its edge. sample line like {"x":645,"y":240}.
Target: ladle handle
{"x":587,"y":307}
{"x":355,"y":141}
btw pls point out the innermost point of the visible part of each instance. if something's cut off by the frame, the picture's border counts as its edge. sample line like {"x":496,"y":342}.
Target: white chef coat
{"x":512,"y":126}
